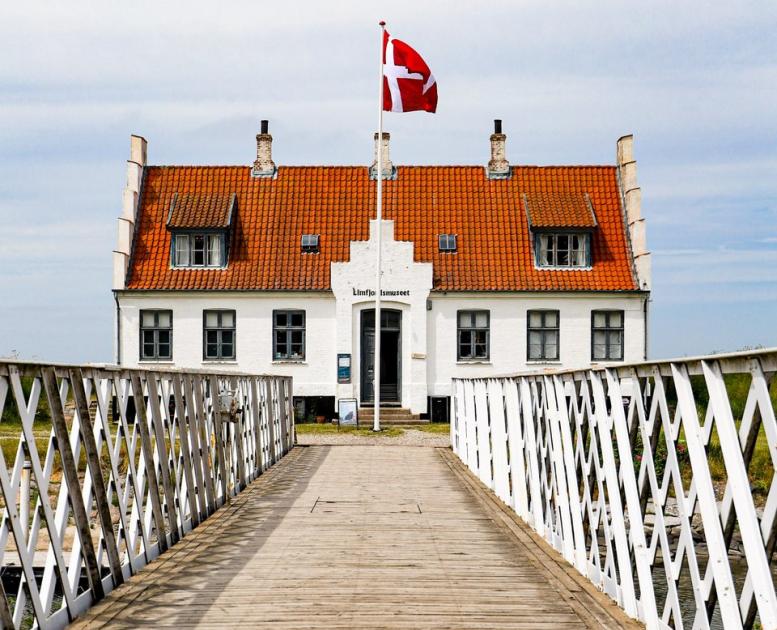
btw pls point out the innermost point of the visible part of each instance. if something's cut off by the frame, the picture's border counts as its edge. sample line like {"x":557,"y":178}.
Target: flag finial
{"x":381,"y":23}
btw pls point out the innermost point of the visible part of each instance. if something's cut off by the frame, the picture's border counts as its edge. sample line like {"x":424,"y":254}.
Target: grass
{"x":436,"y":427}
{"x":329,"y":428}
{"x":387,"y":431}
{"x":760,"y":469}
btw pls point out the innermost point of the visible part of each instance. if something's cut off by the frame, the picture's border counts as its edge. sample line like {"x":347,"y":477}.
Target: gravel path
{"x":410,"y":437}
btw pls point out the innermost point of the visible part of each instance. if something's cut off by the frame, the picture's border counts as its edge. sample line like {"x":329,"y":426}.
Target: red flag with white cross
{"x":408,"y":84}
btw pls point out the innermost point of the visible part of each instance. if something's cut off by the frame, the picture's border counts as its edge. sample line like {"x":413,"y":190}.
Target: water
{"x":685,"y":590}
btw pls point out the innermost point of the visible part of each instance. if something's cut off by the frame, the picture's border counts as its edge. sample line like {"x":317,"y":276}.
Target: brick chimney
{"x":498,"y":166}
{"x":388,"y":168}
{"x":264,"y":166}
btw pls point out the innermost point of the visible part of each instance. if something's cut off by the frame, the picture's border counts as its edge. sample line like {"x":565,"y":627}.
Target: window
{"x":310,"y":243}
{"x":447,"y":242}
{"x":542,"y":328}
{"x":607,"y":335}
{"x":198,"y":250}
{"x":218,"y":335}
{"x":563,"y":250}
{"x":156,"y":335}
{"x":473,"y":335}
{"x":288,"y":335}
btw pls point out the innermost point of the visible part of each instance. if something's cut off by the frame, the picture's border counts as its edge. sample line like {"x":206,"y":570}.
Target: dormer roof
{"x":205,"y":210}
{"x":547,"y":209}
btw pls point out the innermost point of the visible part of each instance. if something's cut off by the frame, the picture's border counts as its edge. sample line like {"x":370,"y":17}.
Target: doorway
{"x":390,"y":356}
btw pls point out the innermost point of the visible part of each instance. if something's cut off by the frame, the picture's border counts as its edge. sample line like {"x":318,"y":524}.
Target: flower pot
{"x":321,"y":419}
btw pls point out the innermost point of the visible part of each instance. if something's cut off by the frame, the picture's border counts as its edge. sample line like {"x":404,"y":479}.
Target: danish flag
{"x":408,"y":84}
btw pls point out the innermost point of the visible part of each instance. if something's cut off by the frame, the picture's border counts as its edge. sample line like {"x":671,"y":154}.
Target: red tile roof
{"x":495,"y":251}
{"x":201,"y":210}
{"x":559,"y":210}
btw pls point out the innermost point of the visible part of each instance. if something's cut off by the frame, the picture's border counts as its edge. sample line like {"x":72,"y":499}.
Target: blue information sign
{"x":343,"y":368}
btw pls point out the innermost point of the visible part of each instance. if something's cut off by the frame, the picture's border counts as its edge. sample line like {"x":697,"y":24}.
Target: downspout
{"x":118,"y":327}
{"x":645,"y":310}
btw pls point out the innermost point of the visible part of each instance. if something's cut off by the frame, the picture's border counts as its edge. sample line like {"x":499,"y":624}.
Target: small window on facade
{"x":289,"y":335}
{"x":607,"y":335}
{"x":447,"y":242}
{"x":563,"y":250}
{"x":543,"y":334}
{"x":473,"y":335}
{"x":218,"y":335}
{"x":156,"y":335}
{"x":198,"y":250}
{"x":310,"y":243}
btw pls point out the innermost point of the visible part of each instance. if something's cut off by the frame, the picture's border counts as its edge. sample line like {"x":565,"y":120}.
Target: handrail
{"x":118,"y":465}
{"x":655,"y":480}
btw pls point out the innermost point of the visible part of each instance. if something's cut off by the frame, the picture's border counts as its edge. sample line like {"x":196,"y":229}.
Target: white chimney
{"x":387,"y":166}
{"x":129,"y":210}
{"x":498,"y":166}
{"x":632,"y":204}
{"x":264,"y":166}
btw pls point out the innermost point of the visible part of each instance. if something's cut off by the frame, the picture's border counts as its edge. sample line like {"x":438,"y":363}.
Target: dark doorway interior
{"x":390,"y":354}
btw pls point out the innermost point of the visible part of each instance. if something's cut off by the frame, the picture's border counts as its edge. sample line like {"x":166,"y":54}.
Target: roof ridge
{"x":362,"y":166}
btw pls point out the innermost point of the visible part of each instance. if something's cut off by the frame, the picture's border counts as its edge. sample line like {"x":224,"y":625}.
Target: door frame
{"x":363,"y":354}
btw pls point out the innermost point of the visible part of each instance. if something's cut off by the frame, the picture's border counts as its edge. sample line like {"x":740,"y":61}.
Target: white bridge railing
{"x":104,"y":468}
{"x":655,"y":480}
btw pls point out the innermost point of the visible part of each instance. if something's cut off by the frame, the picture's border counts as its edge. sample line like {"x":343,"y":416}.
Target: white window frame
{"x":211,"y":249}
{"x":550,"y":253}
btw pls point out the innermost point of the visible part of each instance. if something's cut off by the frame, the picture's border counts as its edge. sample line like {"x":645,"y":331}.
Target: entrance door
{"x":390,"y":355}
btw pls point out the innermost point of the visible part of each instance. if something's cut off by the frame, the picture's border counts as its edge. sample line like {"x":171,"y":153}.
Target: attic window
{"x":310,"y":243}
{"x":447,"y":243}
{"x":198,"y":249}
{"x":563,"y":249}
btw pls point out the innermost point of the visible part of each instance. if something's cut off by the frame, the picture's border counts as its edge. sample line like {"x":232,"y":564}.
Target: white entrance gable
{"x":405,"y":284}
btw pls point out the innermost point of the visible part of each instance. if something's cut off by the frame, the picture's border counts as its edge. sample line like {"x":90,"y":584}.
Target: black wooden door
{"x":391,"y":355}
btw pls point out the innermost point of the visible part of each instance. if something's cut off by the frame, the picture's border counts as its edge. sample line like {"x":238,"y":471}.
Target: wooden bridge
{"x":358,"y":537}
{"x":142,"y":498}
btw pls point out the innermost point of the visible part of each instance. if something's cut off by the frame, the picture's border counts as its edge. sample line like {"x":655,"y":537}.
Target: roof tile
{"x":489,"y":216}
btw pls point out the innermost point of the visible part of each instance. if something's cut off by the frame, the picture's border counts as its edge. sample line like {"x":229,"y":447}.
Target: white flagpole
{"x":379,"y":206}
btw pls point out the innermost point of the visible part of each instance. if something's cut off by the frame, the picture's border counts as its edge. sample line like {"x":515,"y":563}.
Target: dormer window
{"x":563,"y":249}
{"x":310,"y":243}
{"x":198,"y":250}
{"x":199,"y":226}
{"x":562,"y":225}
{"x":447,"y":243}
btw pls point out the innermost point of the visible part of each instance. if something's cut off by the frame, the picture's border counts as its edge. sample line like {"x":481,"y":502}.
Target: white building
{"x":487,"y":270}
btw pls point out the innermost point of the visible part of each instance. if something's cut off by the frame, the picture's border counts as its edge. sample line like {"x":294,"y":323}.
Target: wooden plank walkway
{"x":358,"y":537}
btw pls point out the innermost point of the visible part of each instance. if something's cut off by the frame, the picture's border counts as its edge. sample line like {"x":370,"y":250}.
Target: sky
{"x":695,"y":82}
